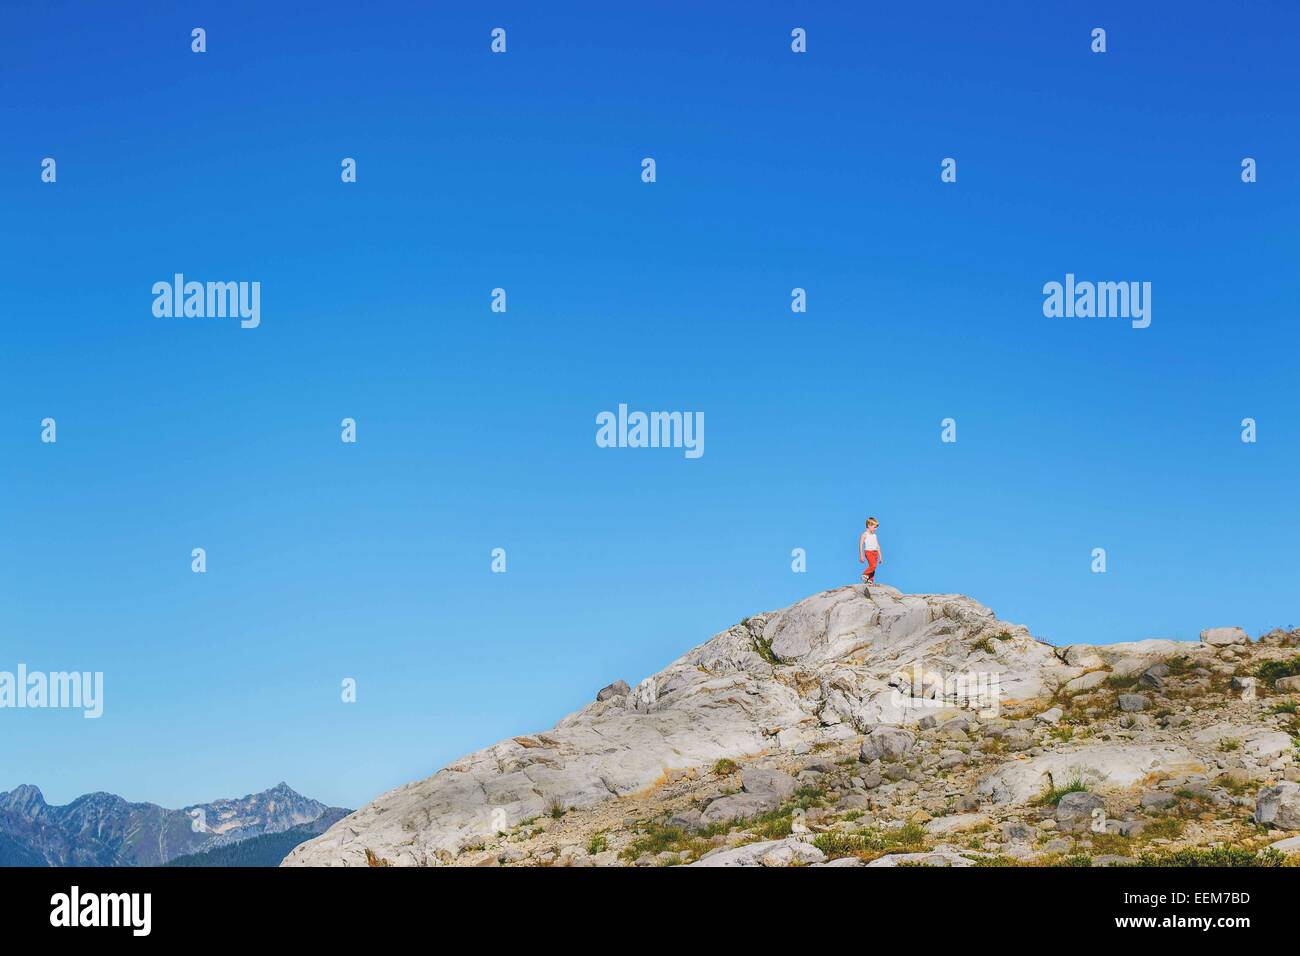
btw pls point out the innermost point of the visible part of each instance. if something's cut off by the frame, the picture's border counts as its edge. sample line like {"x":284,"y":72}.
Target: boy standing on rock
{"x":869,"y":551}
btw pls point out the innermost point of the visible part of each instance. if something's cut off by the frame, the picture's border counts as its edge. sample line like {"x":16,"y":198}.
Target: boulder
{"x":788,"y":852}
{"x":854,"y":801}
{"x":1279,"y":806}
{"x":1086,"y":682}
{"x":939,"y":856}
{"x":1158,"y":800}
{"x":1154,"y":676}
{"x":1265,"y":744}
{"x":1017,"y":831}
{"x":757,"y":780}
{"x":1081,"y":655}
{"x":689,"y":820}
{"x":739,"y":806}
{"x":1287,"y":685}
{"x":617,"y":689}
{"x":1076,"y":808}
{"x":968,"y":803}
{"x":886,"y":743}
{"x":1233,"y":777}
{"x":957,"y":823}
{"x":1131,"y":703}
{"x":1259,"y":742}
{"x":1224,"y":636}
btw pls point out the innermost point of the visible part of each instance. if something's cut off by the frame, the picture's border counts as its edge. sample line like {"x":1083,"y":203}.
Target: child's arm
{"x":862,"y":552}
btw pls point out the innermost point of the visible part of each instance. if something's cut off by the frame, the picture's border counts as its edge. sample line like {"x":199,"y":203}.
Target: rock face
{"x":1097,"y":766}
{"x":826,"y":669}
{"x":917,"y":687}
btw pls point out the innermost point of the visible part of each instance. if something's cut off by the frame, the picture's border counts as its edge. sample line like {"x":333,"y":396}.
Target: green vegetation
{"x":869,"y":844}
{"x":725,"y":767}
{"x":778,"y":824}
{"x":1166,"y":828}
{"x":599,"y":844}
{"x":763,"y":647}
{"x":267,"y":849}
{"x":1212,"y":856}
{"x":659,"y":838}
{"x":774,"y":825}
{"x":1270,"y":671}
{"x":1052,"y":795}
{"x":1110,"y":844}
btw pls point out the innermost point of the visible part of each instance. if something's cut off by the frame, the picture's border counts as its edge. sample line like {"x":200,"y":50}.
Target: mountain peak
{"x":25,"y":799}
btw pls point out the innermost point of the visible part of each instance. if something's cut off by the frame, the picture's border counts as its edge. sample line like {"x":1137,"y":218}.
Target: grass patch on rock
{"x":1270,"y":671}
{"x":872,"y":844}
{"x":1052,"y":795}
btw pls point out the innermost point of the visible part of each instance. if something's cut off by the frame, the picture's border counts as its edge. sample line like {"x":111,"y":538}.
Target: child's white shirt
{"x":869,"y":542}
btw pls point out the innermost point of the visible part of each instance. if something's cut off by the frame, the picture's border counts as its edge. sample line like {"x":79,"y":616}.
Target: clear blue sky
{"x":476,"y":430}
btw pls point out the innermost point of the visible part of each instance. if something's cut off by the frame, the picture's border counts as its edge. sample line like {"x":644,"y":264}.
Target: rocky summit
{"x":881,"y":730}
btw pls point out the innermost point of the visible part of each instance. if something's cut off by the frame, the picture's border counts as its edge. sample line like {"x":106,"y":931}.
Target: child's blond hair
{"x":871,"y":521}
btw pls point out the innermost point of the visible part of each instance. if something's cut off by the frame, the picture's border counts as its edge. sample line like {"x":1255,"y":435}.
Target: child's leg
{"x":872,"y":558}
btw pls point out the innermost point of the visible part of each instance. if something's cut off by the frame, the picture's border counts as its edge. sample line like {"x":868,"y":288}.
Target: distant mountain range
{"x":269,"y":849}
{"x":101,"y":829}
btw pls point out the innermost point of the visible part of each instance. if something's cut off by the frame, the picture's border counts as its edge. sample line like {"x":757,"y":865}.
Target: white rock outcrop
{"x":834,"y":666}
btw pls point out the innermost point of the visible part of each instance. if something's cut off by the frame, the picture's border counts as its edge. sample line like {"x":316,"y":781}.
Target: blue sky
{"x":476,"y":430}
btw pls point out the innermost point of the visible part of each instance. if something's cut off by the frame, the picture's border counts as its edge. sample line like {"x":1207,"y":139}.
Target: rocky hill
{"x":855,"y":730}
{"x":101,"y":829}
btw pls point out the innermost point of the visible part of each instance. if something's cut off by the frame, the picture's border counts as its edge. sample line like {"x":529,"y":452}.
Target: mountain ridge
{"x":104,"y":829}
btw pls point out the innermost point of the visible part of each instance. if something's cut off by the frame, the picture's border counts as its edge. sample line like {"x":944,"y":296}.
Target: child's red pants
{"x":873,"y":558}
